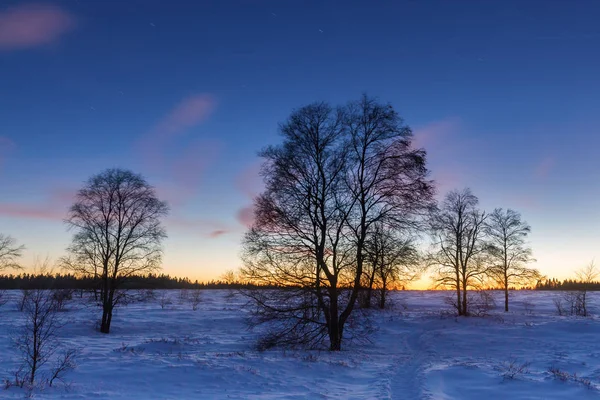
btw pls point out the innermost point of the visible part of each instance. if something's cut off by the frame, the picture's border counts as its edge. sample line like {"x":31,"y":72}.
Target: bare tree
{"x":387,"y":177}
{"x":118,"y":233}
{"x":195,"y":298}
{"x":337,"y":173}
{"x":297,"y":238}
{"x":391,"y":260}
{"x":509,"y":252}
{"x":37,"y":341}
{"x":458,"y":245}
{"x":586,"y":275}
{"x":10,"y":252}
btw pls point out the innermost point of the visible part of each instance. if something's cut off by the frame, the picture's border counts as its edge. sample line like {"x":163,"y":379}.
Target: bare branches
{"x":118,"y":233}
{"x":337,"y":174}
{"x":459,"y":250}
{"x":10,"y":252}
{"x":509,"y":253}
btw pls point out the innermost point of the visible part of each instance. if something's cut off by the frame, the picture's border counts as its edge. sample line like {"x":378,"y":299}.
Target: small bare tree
{"x":195,"y":298}
{"x":459,"y":246}
{"x":391,"y":261}
{"x":38,"y":342}
{"x":586,"y":276}
{"x":10,"y":253}
{"x":509,"y":253}
{"x":118,"y":233}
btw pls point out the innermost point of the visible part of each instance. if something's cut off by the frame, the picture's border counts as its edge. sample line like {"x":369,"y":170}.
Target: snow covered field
{"x":419,"y":351}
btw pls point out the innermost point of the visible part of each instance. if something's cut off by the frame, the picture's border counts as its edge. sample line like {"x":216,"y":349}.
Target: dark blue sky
{"x":503,"y":95}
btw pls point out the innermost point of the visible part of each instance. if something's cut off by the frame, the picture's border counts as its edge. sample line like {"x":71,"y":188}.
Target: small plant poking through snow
{"x":164,"y":300}
{"x":513,"y":369}
{"x":564,"y":376}
{"x":195,"y":297}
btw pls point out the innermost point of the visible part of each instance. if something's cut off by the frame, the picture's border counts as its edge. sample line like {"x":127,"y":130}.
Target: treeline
{"x":149,"y":281}
{"x":568,"y":284}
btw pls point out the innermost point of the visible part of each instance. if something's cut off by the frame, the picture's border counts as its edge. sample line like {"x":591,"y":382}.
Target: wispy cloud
{"x":249,"y":182}
{"x":169,"y":151}
{"x":435,"y":134}
{"x":218,"y":232}
{"x":54,"y":207}
{"x":33,"y":25}
{"x":441,"y":141}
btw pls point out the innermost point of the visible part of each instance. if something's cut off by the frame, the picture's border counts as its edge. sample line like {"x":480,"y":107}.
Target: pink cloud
{"x":207,"y":228}
{"x":436,"y":133}
{"x":33,"y":25}
{"x":245,"y":216}
{"x":217,"y":233}
{"x":249,"y":181}
{"x":443,"y":145}
{"x":161,"y":148}
{"x":55,"y":207}
{"x":544,"y":167}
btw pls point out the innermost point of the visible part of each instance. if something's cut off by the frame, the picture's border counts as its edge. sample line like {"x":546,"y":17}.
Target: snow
{"x":418,"y":351}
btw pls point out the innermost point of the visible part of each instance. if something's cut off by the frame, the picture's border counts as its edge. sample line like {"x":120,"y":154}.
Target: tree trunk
{"x":334,"y":328}
{"x":506,"y":299}
{"x":465,"y":310}
{"x":382,"y":297}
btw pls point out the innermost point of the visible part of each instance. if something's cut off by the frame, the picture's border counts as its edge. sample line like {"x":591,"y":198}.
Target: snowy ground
{"x":419,"y":351}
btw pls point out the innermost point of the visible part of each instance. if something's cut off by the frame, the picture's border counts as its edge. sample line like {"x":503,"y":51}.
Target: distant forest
{"x":567,"y":284}
{"x":164,"y":281}
{"x":68,"y":281}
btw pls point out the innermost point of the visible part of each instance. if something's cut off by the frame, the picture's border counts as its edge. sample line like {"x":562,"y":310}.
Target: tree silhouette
{"x":118,"y":233}
{"x":337,"y":172}
{"x":507,"y":234}
{"x":10,"y":252}
{"x":459,"y":249}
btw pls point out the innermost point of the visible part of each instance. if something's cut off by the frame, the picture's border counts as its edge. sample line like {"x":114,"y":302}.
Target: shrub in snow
{"x":38,"y":344}
{"x":61,"y":297}
{"x":571,"y":303}
{"x":195,"y":297}
{"x":566,"y":377}
{"x":513,"y":369}
{"x":164,"y":299}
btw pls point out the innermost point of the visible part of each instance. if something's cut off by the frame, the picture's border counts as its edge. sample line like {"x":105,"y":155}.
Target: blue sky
{"x":503,"y":96}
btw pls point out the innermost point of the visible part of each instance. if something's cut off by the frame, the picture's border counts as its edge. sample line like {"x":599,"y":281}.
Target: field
{"x":418,"y":351}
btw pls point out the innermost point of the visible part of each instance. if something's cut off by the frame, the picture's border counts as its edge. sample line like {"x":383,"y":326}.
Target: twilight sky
{"x":503,"y":95}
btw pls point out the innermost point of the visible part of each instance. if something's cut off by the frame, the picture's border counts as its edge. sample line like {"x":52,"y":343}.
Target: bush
{"x":38,"y":343}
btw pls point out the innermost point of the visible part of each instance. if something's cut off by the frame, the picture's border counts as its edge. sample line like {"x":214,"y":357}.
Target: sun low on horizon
{"x":188,"y":93}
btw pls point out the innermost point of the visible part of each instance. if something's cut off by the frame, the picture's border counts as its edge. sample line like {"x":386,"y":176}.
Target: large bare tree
{"x":297,"y":238}
{"x":386,"y":179}
{"x":10,"y":252}
{"x":337,"y":173}
{"x":509,"y":252}
{"x":459,"y":247}
{"x":118,"y":232}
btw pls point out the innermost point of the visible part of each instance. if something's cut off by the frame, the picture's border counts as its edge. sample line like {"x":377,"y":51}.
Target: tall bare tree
{"x":10,"y":252}
{"x":337,"y":173}
{"x":297,"y":237}
{"x":458,"y":245}
{"x":509,"y":252}
{"x":117,"y":222}
{"x":386,"y":179}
